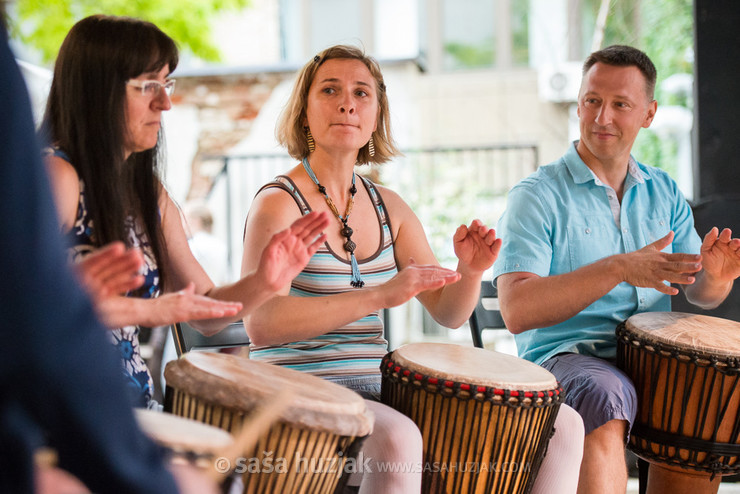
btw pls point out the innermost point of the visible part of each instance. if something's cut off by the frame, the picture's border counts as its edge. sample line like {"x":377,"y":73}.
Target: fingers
{"x":710,"y":238}
{"x":311,"y":249}
{"x":185,"y":305}
{"x":310,"y":226}
{"x":460,"y":233}
{"x":496,"y":247}
{"x":664,"y":242}
{"x":667,"y":289}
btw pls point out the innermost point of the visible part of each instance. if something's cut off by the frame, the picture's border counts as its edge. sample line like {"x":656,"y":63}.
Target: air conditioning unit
{"x":559,"y":83}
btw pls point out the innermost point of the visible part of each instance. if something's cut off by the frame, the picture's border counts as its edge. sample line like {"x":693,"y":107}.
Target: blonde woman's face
{"x":342,"y":108}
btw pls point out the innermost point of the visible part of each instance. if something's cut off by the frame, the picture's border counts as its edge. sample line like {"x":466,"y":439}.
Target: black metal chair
{"x":486,"y":314}
{"x":188,"y":338}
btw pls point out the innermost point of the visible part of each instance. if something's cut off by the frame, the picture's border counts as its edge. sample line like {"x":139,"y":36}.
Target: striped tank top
{"x":353,"y":352}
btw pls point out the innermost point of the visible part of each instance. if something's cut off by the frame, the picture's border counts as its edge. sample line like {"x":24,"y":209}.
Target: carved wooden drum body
{"x":485,"y":417}
{"x":686,"y":369}
{"x":305,"y":451}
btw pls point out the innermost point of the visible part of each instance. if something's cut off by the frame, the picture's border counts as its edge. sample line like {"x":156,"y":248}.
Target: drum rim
{"x":726,"y":363}
{"x":349,"y":419}
{"x":642,"y":335}
{"x":515,"y":398}
{"x":183,"y":446}
{"x":533,"y":378}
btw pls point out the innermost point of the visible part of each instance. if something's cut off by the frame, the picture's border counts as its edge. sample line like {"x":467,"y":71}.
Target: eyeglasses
{"x":152,"y":88}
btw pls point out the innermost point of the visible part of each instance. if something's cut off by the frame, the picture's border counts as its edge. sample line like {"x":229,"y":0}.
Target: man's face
{"x":612,"y":107}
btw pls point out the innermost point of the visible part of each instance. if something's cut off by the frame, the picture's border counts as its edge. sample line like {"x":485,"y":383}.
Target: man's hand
{"x":721,"y":255}
{"x":651,"y":268}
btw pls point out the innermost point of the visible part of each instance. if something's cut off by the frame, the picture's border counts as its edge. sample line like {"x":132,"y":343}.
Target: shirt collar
{"x":581,"y":173}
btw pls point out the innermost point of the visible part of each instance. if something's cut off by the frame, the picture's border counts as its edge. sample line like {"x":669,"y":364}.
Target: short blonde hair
{"x":290,"y":131}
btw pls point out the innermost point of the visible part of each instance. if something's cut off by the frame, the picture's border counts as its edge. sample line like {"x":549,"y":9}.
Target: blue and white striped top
{"x":351,"y":351}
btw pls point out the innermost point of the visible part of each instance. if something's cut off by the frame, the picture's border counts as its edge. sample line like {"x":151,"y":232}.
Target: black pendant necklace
{"x":346,"y":231}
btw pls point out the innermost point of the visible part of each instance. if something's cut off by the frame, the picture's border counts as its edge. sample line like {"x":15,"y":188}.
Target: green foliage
{"x":664,"y":30}
{"x":43,"y":24}
{"x":471,"y":56}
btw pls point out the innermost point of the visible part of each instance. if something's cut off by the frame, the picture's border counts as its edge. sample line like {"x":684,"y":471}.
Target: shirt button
{"x":516,"y":265}
{"x":588,"y":231}
{"x":625,"y":230}
{"x":661,"y":222}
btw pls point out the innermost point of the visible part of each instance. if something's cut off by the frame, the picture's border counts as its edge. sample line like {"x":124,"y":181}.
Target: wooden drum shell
{"x":477,"y":438}
{"x":314,"y":449}
{"x":688,"y":392}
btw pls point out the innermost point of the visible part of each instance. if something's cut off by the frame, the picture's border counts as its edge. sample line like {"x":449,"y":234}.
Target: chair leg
{"x":642,"y":469}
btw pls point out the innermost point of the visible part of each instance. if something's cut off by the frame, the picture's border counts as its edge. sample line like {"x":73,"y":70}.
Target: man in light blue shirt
{"x":594,"y":238}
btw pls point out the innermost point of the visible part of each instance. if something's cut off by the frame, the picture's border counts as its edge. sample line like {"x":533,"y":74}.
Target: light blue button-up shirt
{"x":563,"y":217}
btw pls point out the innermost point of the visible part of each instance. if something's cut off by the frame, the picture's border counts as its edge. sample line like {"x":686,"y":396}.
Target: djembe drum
{"x":485,"y":417}
{"x":184,"y":441}
{"x":306,"y":450}
{"x":686,"y":370}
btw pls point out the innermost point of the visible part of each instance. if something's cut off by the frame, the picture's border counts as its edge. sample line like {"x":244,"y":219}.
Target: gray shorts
{"x":366,"y":386}
{"x":595,"y":388}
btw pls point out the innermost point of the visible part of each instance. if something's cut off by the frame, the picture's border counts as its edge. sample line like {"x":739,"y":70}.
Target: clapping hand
{"x":721,"y":255}
{"x":476,"y":246}
{"x":289,"y":250}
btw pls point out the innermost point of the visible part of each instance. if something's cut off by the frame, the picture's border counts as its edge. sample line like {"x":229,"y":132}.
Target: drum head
{"x":712,"y":335}
{"x":181,"y":434}
{"x":474,"y":365}
{"x":243,"y":384}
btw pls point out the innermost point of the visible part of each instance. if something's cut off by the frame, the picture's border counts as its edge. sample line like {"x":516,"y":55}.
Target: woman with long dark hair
{"x":103,"y":120}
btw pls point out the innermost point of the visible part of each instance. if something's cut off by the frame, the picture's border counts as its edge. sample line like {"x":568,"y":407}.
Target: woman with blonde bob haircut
{"x":291,"y":132}
{"x":326,"y":321}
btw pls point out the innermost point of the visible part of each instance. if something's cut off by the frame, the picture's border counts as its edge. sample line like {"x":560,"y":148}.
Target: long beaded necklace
{"x":346,"y":231}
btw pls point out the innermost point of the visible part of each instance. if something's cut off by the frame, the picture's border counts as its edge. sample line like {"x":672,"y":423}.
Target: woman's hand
{"x":476,"y":246}
{"x":110,"y":270}
{"x":289,"y":250}
{"x":412,"y":280}
{"x":166,"y":309}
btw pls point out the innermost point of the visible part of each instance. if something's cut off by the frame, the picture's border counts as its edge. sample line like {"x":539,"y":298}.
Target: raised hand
{"x":110,"y":270}
{"x":289,"y":251}
{"x":476,"y":246}
{"x":721,"y":255}
{"x":414,"y":279}
{"x":651,"y":268}
{"x":166,"y":309}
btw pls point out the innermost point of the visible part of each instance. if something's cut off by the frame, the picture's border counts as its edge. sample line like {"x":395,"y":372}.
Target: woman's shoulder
{"x":394,"y":203}
{"x":60,"y":168}
{"x":66,"y":186}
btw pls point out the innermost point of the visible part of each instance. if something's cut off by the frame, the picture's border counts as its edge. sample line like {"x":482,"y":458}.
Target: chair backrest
{"x":486,"y":314}
{"x":188,"y":338}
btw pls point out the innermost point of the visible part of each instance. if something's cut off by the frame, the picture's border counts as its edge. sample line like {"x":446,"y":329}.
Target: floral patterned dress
{"x":126,"y":339}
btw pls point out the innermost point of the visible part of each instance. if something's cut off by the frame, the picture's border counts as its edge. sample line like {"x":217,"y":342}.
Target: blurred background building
{"x":481,"y":93}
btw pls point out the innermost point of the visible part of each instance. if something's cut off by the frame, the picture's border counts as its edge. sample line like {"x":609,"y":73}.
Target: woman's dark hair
{"x":86,"y":118}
